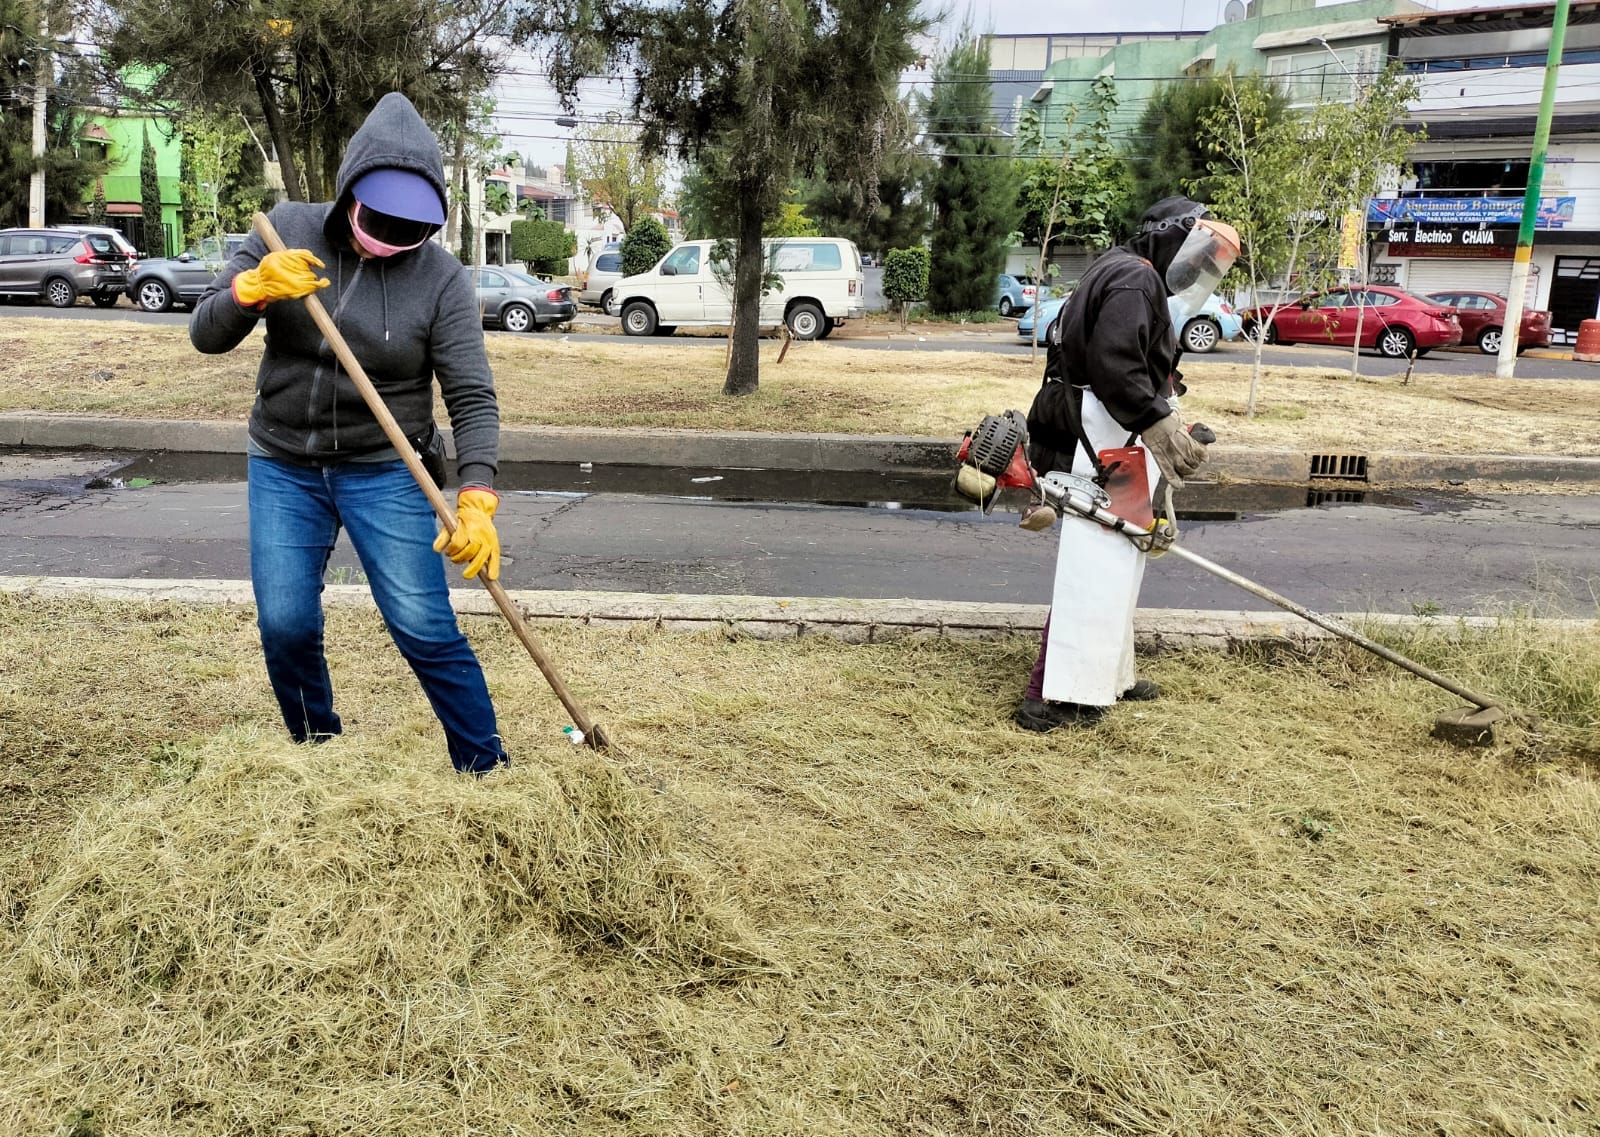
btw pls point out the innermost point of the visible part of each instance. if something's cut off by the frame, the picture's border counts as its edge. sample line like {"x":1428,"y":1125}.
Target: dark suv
{"x":59,"y":265}
{"x":157,"y":284}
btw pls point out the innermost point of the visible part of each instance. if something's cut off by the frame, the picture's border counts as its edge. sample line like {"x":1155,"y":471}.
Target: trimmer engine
{"x":994,"y":457}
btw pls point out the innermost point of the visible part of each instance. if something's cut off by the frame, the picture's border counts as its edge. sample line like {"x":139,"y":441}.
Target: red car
{"x":1391,"y":320}
{"x":1483,"y":314}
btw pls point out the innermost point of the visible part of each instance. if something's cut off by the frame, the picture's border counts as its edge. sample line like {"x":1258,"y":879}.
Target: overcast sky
{"x":527,"y":106}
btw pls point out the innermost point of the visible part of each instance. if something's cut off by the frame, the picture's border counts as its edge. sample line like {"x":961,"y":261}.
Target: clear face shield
{"x":1200,"y":264}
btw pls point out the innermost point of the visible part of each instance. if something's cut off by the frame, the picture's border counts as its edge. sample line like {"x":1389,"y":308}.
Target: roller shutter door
{"x":1425,"y":275}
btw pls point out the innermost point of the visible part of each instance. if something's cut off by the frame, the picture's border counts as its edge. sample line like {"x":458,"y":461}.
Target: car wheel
{"x":60,"y":292}
{"x":153,"y":296}
{"x":1396,"y":342}
{"x":639,"y":319}
{"x":1006,"y":307}
{"x":1052,"y":334}
{"x":805,"y":321}
{"x":1201,"y":334}
{"x":1252,"y":332}
{"x":1489,"y":341}
{"x":516,"y":318}
{"x":104,"y":299}
{"x":606,"y":305}
{"x":827,"y":329}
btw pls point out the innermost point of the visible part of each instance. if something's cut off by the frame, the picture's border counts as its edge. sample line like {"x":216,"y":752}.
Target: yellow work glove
{"x":279,"y":276}
{"x":475,"y":539}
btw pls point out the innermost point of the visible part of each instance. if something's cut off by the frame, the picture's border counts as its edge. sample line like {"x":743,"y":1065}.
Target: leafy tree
{"x":905,"y":277}
{"x":766,"y":91}
{"x":97,"y":204}
{"x":792,"y":222}
{"x":544,"y":246}
{"x":974,"y":188}
{"x":1284,"y":185}
{"x":221,"y":182}
{"x":497,"y":198}
{"x":645,"y":244}
{"x":153,"y":231}
{"x":310,"y":71}
{"x":68,"y":171}
{"x":900,"y":218}
{"x":612,"y":171}
{"x":1074,"y":183}
{"x":1171,"y":152}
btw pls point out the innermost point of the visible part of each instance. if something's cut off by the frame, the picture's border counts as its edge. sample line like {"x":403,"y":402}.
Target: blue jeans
{"x":295,"y":516}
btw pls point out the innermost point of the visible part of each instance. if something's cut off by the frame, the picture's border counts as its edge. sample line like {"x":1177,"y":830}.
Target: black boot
{"x":1040,"y":715}
{"x":1142,"y":691}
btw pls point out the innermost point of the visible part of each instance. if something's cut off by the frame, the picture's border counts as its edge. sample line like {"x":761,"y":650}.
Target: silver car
{"x":157,"y":284}
{"x":59,"y":265}
{"x":518,"y":302}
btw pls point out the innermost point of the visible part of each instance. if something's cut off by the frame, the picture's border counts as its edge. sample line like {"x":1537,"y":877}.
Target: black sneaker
{"x":1040,"y":716}
{"x":1143,"y":691}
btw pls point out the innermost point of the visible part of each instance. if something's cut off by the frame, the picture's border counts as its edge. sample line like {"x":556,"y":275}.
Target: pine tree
{"x":97,"y":205}
{"x":153,"y":231}
{"x":974,"y":188}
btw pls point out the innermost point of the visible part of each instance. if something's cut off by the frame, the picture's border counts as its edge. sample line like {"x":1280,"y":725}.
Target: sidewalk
{"x":828,"y":453}
{"x":779,"y":618}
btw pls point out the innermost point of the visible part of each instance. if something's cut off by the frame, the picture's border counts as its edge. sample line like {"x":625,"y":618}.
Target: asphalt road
{"x":1433,"y":553}
{"x":1439,"y":362}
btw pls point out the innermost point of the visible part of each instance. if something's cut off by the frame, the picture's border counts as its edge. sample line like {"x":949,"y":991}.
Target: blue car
{"x":1216,"y":321}
{"x":1013,"y":293}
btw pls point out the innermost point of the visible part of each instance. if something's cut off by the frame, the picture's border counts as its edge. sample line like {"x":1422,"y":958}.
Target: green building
{"x":1317,"y":53}
{"x":122,"y":135}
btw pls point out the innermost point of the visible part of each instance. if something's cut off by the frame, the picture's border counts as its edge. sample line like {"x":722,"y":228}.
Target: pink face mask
{"x":370,"y":243}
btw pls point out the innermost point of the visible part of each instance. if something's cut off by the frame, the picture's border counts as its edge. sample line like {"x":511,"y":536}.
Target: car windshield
{"x":524,"y":278}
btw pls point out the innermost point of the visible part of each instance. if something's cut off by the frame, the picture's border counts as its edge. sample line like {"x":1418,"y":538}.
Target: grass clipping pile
{"x":278,"y":944}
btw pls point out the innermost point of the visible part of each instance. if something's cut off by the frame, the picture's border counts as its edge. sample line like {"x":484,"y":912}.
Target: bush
{"x":646,"y":243}
{"x":905,"y":275}
{"x":544,"y":246}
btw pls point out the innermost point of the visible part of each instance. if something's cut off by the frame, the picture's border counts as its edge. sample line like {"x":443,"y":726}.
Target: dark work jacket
{"x":1117,"y":340}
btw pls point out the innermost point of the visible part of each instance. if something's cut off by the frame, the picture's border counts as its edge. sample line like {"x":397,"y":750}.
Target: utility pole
{"x":1506,"y":364}
{"x":41,"y":93}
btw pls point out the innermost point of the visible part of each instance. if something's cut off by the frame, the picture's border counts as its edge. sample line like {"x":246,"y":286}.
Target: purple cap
{"x":400,"y":193}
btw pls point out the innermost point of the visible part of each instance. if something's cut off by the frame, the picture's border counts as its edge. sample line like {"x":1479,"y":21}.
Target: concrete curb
{"x":837,"y":453}
{"x":775,"y":618}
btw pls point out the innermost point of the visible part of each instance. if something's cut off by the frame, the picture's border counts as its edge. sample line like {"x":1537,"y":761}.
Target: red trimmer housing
{"x":997,"y":448}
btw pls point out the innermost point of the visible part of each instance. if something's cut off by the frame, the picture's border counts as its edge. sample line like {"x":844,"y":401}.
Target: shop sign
{"x":1438,"y":237}
{"x":1494,"y":252}
{"x":1387,"y":212}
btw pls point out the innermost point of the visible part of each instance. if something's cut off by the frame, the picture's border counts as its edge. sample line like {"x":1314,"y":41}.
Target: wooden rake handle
{"x":592,"y":733}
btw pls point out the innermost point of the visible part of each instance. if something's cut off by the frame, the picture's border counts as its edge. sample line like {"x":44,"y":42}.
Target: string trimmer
{"x":994,"y":457}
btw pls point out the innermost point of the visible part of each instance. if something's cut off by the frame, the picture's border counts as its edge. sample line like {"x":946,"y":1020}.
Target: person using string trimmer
{"x":1107,"y":410}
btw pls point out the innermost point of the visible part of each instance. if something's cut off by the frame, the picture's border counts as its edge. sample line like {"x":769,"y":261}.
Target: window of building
{"x":1492,"y":176}
{"x":1324,"y":75}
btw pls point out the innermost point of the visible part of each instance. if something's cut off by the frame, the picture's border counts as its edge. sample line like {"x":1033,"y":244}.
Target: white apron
{"x":1089,"y":657}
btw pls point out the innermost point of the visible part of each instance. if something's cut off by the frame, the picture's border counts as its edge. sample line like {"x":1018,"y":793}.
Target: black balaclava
{"x":1162,"y":231}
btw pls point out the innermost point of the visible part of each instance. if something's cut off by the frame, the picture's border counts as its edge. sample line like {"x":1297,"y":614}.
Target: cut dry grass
{"x":1266,"y":904}
{"x":141,"y":371}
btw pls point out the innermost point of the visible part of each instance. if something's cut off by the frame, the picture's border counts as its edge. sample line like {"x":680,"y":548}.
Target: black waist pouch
{"x":433,"y":455}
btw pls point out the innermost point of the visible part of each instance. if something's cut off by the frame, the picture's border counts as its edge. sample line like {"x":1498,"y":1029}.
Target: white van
{"x":823,"y":286}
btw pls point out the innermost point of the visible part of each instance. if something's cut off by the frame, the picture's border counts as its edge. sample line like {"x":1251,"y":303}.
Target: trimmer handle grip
{"x":1202,"y":433}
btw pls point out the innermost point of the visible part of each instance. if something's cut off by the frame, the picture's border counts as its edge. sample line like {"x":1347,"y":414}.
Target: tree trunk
{"x":744,"y":368}
{"x":279,"y":131}
{"x":453,"y":215}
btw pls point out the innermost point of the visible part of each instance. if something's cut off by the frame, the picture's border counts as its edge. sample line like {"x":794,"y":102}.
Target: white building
{"x":1453,"y":224}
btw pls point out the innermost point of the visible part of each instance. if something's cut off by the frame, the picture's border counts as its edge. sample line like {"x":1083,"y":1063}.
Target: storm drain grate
{"x":1335,"y":497}
{"x":1347,"y":467}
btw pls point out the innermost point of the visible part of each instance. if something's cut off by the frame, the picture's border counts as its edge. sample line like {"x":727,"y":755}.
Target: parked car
{"x":1483,"y":314}
{"x":517,"y":302}
{"x":823,"y":286}
{"x":596,"y":283}
{"x":1014,"y":293}
{"x":1215,"y":322}
{"x":59,"y":265}
{"x":158,"y":283}
{"x":1391,"y":319}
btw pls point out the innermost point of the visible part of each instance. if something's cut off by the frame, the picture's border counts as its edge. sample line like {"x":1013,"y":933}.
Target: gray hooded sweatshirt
{"x":408,"y":318}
